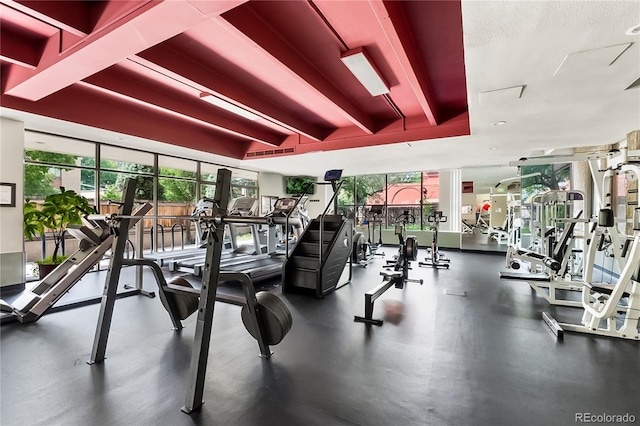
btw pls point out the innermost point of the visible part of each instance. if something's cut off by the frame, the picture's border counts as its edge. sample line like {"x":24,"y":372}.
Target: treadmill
{"x":257,"y":265}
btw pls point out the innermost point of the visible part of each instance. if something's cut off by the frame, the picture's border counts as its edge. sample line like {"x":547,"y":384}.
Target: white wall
{"x":271,"y":184}
{"x":12,"y":171}
{"x":318,"y":201}
{"x":450,"y":199}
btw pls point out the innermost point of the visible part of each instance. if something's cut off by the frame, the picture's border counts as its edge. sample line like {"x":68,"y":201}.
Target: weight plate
{"x":274,"y":315}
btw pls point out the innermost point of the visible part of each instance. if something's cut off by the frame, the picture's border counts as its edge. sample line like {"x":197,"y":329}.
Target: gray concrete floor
{"x":469,"y":350}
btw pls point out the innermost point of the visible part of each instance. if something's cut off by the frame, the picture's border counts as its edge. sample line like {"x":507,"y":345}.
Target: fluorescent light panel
{"x":228,"y":106}
{"x":363,"y":69}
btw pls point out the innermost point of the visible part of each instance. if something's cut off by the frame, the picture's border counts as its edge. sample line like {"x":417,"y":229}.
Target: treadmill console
{"x":283,"y":206}
{"x":244,"y":206}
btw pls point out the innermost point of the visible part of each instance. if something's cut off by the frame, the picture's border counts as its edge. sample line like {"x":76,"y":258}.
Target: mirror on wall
{"x":490,"y":203}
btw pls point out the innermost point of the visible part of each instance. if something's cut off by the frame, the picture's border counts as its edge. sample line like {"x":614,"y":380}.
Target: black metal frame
{"x":212,"y":276}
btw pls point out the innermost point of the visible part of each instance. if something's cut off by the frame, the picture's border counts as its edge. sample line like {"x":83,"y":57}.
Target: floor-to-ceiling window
{"x":413,"y":192}
{"x":172,"y":185}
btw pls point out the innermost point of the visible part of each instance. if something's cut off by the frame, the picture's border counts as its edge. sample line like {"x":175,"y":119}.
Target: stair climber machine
{"x":435,"y":259}
{"x":316,"y":264}
{"x":265,"y":316}
{"x":96,"y":237}
{"x":407,"y":252}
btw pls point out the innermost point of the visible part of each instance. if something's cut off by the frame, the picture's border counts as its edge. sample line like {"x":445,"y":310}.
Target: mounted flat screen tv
{"x":297,"y":185}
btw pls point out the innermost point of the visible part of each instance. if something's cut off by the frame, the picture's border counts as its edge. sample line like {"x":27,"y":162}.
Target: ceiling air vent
{"x":269,"y":152}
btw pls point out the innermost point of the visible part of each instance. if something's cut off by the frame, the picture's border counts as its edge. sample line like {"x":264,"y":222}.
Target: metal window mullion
{"x":98,"y":176}
{"x":421,"y":200}
{"x":155,"y":204}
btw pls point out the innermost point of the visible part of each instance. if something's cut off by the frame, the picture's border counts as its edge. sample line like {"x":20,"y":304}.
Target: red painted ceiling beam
{"x":16,"y":50}
{"x":458,"y":126}
{"x":175,"y":64}
{"x":117,"y":79}
{"x":72,"y":17}
{"x":269,"y":44}
{"x":129,"y":35}
{"x":392,"y":21}
{"x":89,"y":106}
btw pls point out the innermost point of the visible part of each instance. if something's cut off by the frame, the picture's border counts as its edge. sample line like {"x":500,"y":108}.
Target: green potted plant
{"x":57,"y":213}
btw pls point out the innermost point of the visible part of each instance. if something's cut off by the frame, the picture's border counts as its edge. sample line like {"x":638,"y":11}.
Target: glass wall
{"x":172,"y":185}
{"x":414,"y":192}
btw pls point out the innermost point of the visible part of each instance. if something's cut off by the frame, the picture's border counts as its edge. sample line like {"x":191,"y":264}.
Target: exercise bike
{"x":435,"y":258}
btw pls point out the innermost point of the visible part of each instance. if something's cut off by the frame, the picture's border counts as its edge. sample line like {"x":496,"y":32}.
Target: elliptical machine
{"x":376,"y":212}
{"x":363,"y":249}
{"x":435,"y":258}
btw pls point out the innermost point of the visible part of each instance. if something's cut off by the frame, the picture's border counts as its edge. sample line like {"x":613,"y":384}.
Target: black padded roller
{"x":274,"y":315}
{"x":185,"y":303}
{"x":605,"y":218}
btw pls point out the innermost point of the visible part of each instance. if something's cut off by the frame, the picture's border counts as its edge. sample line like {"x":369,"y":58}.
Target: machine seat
{"x":604,"y":288}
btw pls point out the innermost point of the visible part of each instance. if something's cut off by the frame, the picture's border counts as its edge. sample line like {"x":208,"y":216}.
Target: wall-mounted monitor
{"x":298,"y":185}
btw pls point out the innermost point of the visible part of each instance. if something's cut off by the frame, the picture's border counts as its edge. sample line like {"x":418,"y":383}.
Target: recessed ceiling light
{"x":499,"y":123}
{"x":362,"y":67}
{"x":633,"y":31}
{"x":493,"y":147}
{"x":221,"y":103}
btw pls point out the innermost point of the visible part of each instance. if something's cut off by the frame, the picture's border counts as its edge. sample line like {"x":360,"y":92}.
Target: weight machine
{"x":408,"y":251}
{"x":96,"y":237}
{"x":265,"y":316}
{"x":602,"y":302}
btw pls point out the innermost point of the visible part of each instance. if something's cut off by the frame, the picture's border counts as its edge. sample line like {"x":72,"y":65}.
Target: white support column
{"x":450,"y":196}
{"x":12,"y":267}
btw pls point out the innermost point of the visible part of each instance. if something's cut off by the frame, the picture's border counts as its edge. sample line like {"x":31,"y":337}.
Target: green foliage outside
{"x":39,"y":180}
{"x":357,"y":190}
{"x":144,"y":184}
{"x":550,"y":178}
{"x":177,"y":190}
{"x":412,"y":177}
{"x":57,"y":213}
